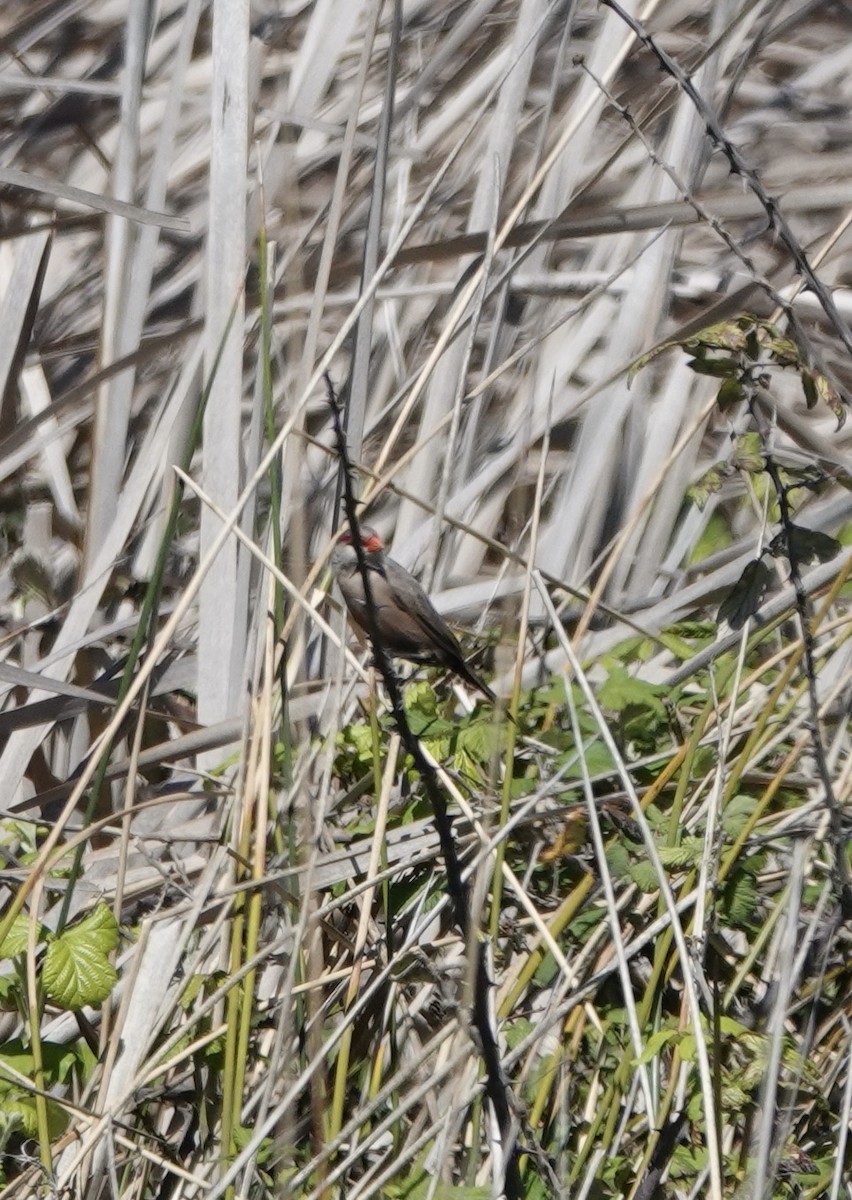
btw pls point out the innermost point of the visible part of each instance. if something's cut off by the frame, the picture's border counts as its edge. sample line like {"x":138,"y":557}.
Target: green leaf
{"x":18,"y":1115}
{"x":719,"y":368}
{"x":725,"y":335}
{"x":19,"y":1104}
{"x":516,"y":1031}
{"x":737,"y":812}
{"x":481,"y":740}
{"x":420,"y":698}
{"x":784,"y":351}
{"x":360,"y":738}
{"x":709,"y":483}
{"x":656,"y":1042}
{"x":739,"y":900}
{"x":729,"y":394}
{"x":618,"y":861}
{"x":16,"y":940}
{"x":76,"y":968}
{"x":243,"y":1135}
{"x":546,"y":971}
{"x":680,"y":857}
{"x":735,"y":1098}
{"x":642,"y":361}
{"x":596,"y":756}
{"x":809,"y":387}
{"x":423,"y":1184}
{"x":731,"y":1027}
{"x":748,"y":454}
{"x":644,"y":875}
{"x":621,"y":690}
{"x":828,"y":393}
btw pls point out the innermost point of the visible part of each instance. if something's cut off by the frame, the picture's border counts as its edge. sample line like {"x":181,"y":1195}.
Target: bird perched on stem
{"x":406,"y":621}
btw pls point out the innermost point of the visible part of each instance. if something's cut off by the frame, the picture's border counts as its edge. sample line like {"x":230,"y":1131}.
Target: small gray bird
{"x":406,"y":620}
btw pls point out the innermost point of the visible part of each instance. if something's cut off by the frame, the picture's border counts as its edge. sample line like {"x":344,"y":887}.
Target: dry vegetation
{"x":230,"y":967}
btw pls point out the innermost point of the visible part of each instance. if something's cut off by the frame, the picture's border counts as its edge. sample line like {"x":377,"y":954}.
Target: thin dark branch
{"x":776,"y":220}
{"x":496,"y":1086}
{"x":842,"y":880}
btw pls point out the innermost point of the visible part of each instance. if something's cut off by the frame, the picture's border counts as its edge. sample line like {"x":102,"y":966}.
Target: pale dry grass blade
{"x":87,"y":199}
{"x":21,"y":265}
{"x":112,"y":411}
{"x":222,"y":628}
{"x":36,"y":396}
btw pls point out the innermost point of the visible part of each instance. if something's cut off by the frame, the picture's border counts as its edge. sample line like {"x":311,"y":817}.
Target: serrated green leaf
{"x":731,"y":1027}
{"x":76,"y":970}
{"x":420,"y":698}
{"x":99,"y":930}
{"x":737,"y":812}
{"x":621,"y":690}
{"x":19,"y":1115}
{"x":438,"y":747}
{"x":734,"y":1098}
{"x":74,"y":978}
{"x":596,"y":756}
{"x":739,"y":900}
{"x":481,"y":739}
{"x":687,"y":854}
{"x":360,"y":738}
{"x":17,"y":939}
{"x":421,"y":1185}
{"x":618,"y":860}
{"x":425,"y":725}
{"x":644,"y":875}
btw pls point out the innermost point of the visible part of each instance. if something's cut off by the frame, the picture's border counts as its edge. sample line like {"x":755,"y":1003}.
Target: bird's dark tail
{"x":473,"y":679}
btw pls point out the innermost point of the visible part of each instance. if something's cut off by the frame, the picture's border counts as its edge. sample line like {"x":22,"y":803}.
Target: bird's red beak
{"x":373,"y":543}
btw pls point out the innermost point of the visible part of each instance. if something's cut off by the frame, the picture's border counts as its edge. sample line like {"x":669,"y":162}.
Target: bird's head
{"x":370,"y":540}
{"x":344,"y":557}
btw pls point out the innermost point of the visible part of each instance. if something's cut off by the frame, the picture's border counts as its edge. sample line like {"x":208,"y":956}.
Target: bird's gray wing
{"x":423,"y":622}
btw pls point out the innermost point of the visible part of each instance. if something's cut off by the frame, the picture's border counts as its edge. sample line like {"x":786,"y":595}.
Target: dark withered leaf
{"x":805,"y":545}
{"x":746,"y":596}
